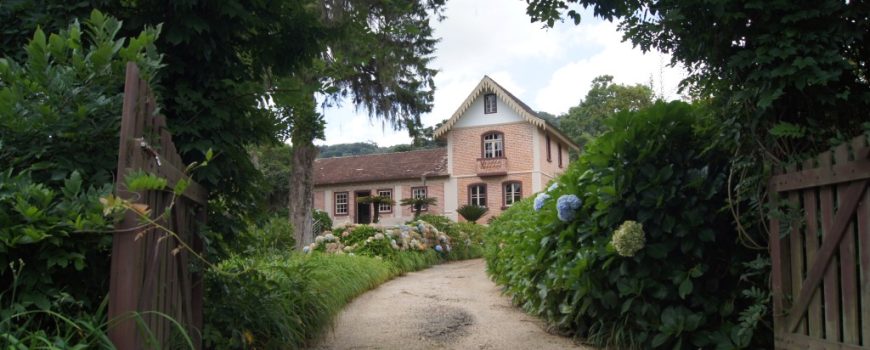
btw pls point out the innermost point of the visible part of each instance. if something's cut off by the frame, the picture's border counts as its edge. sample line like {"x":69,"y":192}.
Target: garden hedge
{"x":672,"y":275}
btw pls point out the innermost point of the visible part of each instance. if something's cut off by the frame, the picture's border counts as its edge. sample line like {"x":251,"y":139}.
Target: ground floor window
{"x":420,"y":192}
{"x":513,"y":192}
{"x":340,"y":203}
{"x":385,"y":207}
{"x":477,"y":195}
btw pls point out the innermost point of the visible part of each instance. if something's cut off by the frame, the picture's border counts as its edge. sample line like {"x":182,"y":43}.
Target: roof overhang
{"x":487,"y":85}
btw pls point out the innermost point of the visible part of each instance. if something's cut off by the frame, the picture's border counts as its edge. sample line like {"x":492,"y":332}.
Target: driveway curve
{"x":449,"y":306}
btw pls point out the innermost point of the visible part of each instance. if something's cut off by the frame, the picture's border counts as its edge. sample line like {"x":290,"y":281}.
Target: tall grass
{"x":287,"y":300}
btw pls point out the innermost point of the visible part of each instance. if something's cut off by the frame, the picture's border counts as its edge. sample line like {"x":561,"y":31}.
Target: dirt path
{"x":449,"y":306}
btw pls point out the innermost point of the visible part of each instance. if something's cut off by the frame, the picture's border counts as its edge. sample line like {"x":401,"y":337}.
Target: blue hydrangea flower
{"x":540,"y":199}
{"x":306,"y":249}
{"x":566,"y":207}
{"x":438,"y":248}
{"x":552,"y":187}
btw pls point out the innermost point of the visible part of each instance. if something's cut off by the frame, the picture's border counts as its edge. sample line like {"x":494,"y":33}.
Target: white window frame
{"x":490,"y":104}
{"x":493,"y":145}
{"x":513,"y":192}
{"x":385,"y":207}
{"x":342,"y":203}
{"x":477,"y":195}
{"x":420,"y":192}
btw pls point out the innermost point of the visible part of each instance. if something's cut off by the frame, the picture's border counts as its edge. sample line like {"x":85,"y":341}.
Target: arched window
{"x":477,"y":195}
{"x":493,"y":145}
{"x":513,"y":192}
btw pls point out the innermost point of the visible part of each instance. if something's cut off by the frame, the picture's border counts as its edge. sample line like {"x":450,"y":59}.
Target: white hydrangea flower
{"x":628,"y":238}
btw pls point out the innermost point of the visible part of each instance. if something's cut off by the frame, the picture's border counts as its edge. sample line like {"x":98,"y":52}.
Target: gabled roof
{"x":487,"y":85}
{"x":381,"y":167}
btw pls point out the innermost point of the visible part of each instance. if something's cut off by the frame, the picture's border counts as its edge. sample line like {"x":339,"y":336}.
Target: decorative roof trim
{"x":487,"y":85}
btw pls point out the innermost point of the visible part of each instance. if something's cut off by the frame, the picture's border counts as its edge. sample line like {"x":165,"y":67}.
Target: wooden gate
{"x":151,"y":280}
{"x":821,"y":254}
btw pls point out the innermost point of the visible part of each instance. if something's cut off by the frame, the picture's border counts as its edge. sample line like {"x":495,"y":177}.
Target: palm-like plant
{"x":376,"y":200}
{"x":418,"y":203}
{"x":472,"y":213}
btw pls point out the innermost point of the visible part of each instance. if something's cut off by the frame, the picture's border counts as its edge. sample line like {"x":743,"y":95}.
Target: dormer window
{"x":493,"y":145}
{"x":489,"y":104}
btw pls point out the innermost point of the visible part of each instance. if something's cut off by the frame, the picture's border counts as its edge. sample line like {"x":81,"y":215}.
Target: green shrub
{"x":323,"y":218}
{"x":472,"y":213}
{"x":441,"y":222}
{"x":59,"y":120}
{"x":275,"y":234}
{"x":287,"y":300}
{"x":359,"y":234}
{"x":681,"y":289}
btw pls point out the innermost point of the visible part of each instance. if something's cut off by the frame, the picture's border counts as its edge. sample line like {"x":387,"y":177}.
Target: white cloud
{"x":550,"y":69}
{"x":570,"y":83}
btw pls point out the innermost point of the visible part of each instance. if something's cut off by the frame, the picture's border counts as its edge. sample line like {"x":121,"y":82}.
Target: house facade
{"x":498,"y":152}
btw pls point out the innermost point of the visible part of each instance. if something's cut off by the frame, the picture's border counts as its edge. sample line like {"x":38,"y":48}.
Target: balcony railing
{"x":492,"y":166}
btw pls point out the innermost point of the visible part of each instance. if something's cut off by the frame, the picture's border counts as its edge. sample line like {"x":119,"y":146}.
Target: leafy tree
{"x":586,"y":121}
{"x":380,"y":61}
{"x":786,"y":76}
{"x":552,"y":119}
{"x":273,"y":161}
{"x":348,"y":149}
{"x":417,"y":203}
{"x":212,"y":87}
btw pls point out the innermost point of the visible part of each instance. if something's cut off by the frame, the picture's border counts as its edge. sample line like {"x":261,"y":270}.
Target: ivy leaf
{"x":685,"y":288}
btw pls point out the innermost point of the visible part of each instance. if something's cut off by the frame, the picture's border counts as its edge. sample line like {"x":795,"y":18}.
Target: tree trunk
{"x":301,"y":188}
{"x":307,"y":125}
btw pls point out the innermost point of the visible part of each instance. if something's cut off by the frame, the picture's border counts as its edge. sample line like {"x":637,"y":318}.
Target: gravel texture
{"x":449,"y":306}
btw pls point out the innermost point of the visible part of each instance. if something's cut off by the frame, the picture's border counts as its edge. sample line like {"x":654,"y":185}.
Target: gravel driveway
{"x":449,"y":306}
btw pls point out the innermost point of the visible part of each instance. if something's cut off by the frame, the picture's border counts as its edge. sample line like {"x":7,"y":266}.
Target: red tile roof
{"x":381,"y":167}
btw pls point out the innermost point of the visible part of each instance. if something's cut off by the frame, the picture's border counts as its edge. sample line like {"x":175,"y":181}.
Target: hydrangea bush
{"x":381,"y":241}
{"x":632,"y":246}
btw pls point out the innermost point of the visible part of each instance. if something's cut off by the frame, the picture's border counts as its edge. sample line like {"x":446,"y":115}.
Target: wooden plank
{"x":796,"y":252}
{"x":780,"y":275}
{"x":123,"y":286}
{"x":818,"y":177}
{"x":832,"y":281}
{"x":831,"y":242}
{"x":863,"y":214}
{"x":815,"y":318}
{"x":848,"y":273}
{"x":798,"y":341}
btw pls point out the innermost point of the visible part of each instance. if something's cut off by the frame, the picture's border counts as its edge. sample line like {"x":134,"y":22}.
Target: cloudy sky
{"x":549,"y":69}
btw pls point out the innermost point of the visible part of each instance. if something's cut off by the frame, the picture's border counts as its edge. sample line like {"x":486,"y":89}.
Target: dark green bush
{"x":472,"y":213}
{"x":323,"y":218}
{"x":59,"y":120}
{"x":275,"y":234}
{"x":682,"y":289}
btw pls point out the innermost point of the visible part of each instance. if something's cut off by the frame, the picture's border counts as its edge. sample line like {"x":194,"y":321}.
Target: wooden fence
{"x":821,"y":252}
{"x":151,"y":279}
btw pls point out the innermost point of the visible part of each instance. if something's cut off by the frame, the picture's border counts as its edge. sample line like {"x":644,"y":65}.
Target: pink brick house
{"x":498,"y":151}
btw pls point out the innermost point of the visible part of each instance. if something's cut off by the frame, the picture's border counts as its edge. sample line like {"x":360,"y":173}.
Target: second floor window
{"x":493,"y":145}
{"x":477,"y":195}
{"x":385,"y":207}
{"x":489,"y":104}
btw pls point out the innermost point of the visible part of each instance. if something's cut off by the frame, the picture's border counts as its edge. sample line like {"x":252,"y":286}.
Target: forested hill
{"x":360,"y":148}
